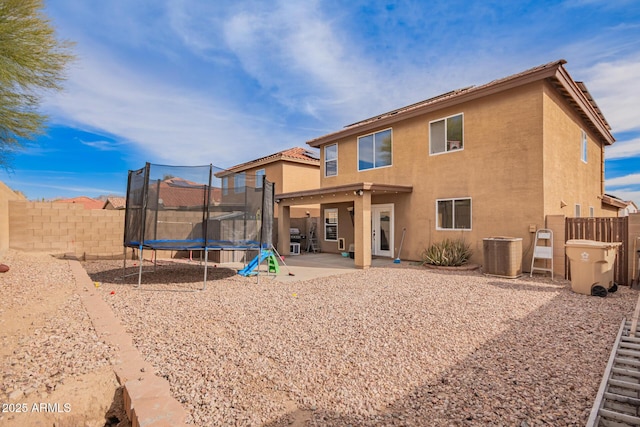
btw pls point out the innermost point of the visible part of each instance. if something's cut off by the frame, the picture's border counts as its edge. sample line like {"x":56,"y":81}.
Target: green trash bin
{"x":592,"y":266}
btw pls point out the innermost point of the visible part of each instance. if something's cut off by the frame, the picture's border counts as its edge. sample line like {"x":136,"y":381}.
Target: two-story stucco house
{"x":483,"y":161}
{"x":293,"y":169}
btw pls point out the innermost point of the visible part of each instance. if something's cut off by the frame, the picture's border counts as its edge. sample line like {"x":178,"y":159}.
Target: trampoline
{"x":196,"y":208}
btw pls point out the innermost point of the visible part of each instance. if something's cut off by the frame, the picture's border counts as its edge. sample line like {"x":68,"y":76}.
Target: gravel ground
{"x":49,"y":351}
{"x":385,"y":346}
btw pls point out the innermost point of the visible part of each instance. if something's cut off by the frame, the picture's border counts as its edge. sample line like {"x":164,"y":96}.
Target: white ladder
{"x":544,"y":252}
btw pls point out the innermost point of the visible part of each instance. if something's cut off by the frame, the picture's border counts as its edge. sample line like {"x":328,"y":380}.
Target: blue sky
{"x":191,"y":82}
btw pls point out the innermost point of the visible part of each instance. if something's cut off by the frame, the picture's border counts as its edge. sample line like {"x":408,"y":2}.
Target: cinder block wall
{"x":6,"y":194}
{"x":66,"y":228}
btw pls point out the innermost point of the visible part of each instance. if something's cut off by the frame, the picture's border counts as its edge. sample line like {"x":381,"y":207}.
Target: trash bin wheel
{"x":599,"y":291}
{"x":613,"y":288}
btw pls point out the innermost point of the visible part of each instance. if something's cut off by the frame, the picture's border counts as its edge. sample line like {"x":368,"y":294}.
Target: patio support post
{"x":362,"y":230}
{"x":284,"y":224}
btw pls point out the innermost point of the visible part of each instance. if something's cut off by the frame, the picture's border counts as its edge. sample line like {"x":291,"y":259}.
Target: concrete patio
{"x":308,"y":266}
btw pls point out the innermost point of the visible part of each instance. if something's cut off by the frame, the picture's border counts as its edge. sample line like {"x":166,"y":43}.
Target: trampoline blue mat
{"x":198,"y":244}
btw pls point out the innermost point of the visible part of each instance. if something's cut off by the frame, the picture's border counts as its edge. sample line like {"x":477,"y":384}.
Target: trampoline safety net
{"x":197,"y":208}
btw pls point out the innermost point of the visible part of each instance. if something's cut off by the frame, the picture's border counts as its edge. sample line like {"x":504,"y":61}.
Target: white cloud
{"x":616,"y":88}
{"x":627,"y":194}
{"x":100,"y":145}
{"x":626,"y":187}
{"x":623,"y":181}
{"x":177,"y":125}
{"x":308,"y":62}
{"x":623,"y":149}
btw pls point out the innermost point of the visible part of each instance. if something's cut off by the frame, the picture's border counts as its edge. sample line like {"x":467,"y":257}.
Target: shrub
{"x":449,"y":253}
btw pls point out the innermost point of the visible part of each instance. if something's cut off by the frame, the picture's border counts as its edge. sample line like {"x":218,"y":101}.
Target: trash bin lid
{"x":591,"y":243}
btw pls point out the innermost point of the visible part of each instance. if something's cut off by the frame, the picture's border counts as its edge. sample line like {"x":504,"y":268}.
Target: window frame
{"x":453,"y":214}
{"x":592,"y":212}
{"x":327,"y":160}
{"x":332,"y":224}
{"x":390,"y":130}
{"x":225,"y":185}
{"x":236,"y":182}
{"x":577,"y":210}
{"x":447,"y":150}
{"x":584,"y":147}
{"x":258,"y":178}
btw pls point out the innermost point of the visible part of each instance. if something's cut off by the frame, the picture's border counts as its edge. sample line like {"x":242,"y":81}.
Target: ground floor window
{"x":331,"y":225}
{"x":453,"y":214}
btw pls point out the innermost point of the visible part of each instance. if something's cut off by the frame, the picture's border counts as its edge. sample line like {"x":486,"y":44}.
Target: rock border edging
{"x":147,"y":397}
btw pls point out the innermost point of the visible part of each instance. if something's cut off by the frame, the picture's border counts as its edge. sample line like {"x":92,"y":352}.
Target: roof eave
{"x":471,"y":94}
{"x":553,"y":71}
{"x":612,"y":201}
{"x":590,"y":114}
{"x":264,"y":162}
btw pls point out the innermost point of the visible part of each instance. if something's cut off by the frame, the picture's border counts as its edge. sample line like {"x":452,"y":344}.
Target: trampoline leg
{"x":140,"y":270}
{"x":124,"y":264}
{"x":206,"y":259}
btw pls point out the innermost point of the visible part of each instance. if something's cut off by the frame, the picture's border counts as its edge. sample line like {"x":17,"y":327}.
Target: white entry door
{"x":382,"y":230}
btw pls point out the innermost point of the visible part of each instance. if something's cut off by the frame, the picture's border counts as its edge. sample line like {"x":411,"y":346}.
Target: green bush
{"x":448,"y":253}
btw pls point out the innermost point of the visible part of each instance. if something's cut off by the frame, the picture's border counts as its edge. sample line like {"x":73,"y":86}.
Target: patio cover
{"x":358,"y":193}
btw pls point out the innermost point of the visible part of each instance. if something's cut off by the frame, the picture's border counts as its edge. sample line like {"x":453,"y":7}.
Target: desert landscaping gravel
{"x":384,"y":346}
{"x":50,"y":353}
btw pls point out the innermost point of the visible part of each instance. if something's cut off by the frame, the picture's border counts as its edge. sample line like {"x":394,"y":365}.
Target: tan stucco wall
{"x":299,"y":176}
{"x":569,"y":180}
{"x":292,"y":176}
{"x":508,"y":137}
{"x":6,"y":195}
{"x":65,"y":228}
{"x":499,"y":168}
{"x":345,"y":227}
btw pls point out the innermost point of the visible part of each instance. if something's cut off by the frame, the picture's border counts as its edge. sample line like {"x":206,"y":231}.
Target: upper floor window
{"x":225,"y":185}
{"x":453,"y":214}
{"x":260,"y":173}
{"x":331,"y":160}
{"x":238,"y":182}
{"x":577,"y":211}
{"x":374,"y":150}
{"x":446,"y":134}
{"x":591,"y":212}
{"x":584,"y":147}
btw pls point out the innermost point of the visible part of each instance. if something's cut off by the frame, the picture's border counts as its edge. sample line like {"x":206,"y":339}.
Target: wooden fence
{"x":602,"y":230}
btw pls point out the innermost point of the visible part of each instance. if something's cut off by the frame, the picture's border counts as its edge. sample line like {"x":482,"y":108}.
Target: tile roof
{"x":295,"y":154}
{"x":116,"y":202}
{"x":576,"y":93}
{"x":87,"y":202}
{"x":178,"y":192}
